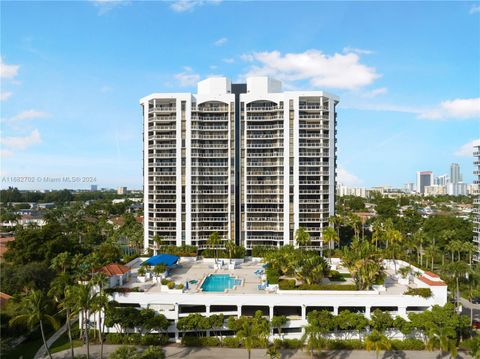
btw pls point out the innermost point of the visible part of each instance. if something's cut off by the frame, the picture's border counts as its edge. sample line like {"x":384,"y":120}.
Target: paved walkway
{"x":178,"y":352}
{"x":42,"y":352}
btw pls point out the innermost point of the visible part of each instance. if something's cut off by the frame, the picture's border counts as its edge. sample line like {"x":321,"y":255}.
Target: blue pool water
{"x":219,"y":282}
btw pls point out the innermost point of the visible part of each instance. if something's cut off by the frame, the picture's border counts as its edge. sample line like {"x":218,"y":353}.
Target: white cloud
{"x":341,"y":71}
{"x":28,"y":115}
{"x":467,"y":149}
{"x":346,"y":178}
{"x":8,"y":71}
{"x":189,"y":5}
{"x":357,"y":51}
{"x":5,"y":95}
{"x":20,"y":142}
{"x":105,"y":6}
{"x":374,"y":92}
{"x":220,"y":42}
{"x":229,"y":60}
{"x":474,"y":9}
{"x":187,"y":78}
{"x":458,"y":109}
{"x":5,"y":154}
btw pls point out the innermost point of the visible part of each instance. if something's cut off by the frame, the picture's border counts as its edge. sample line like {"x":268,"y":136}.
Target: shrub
{"x":286,"y":284}
{"x":171,"y":285}
{"x":272,"y":275}
{"x":335,"y":276}
{"x":288,"y":343}
{"x":191,"y":341}
{"x":260,"y":251}
{"x":182,"y":251}
{"x":114,"y":338}
{"x":129,"y":257}
{"x":180,"y":286}
{"x":124,"y":352}
{"x":348,"y":344}
{"x":154,"y":339}
{"x":407,"y":344}
{"x":231,"y":342}
{"x":422,"y":292}
{"x":134,"y":338}
{"x":152,"y":352}
{"x":164,"y":281}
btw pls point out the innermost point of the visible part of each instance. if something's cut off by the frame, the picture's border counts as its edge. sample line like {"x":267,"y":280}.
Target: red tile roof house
{"x":117,"y":274}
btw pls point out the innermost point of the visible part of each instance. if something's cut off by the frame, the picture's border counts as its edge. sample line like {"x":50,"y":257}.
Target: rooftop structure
{"x":247,"y":292}
{"x":248,"y":161}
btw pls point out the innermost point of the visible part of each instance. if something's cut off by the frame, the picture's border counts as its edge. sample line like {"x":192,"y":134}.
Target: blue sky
{"x":408,"y":75}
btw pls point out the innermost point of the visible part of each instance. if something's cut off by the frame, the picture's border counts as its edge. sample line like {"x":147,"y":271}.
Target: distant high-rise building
{"x":93,"y":188}
{"x":455,"y":175}
{"x":122,"y":190}
{"x":409,"y":187}
{"x":441,"y":180}
{"x":424,"y":178}
{"x":476,"y":201}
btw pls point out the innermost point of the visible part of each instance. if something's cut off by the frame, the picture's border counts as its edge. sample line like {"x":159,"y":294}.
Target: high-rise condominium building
{"x":476,"y":201}
{"x":424,"y":179}
{"x":248,"y":161}
{"x":455,"y":175}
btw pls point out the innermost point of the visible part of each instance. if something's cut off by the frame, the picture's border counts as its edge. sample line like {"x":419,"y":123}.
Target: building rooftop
{"x":114,"y":269}
{"x":251,"y":274}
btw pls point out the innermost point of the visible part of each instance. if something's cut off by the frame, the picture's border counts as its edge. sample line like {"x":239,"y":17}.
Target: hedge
{"x":273,"y":275}
{"x":136,"y":339}
{"x":407,"y":344}
{"x":289,"y":284}
{"x":347,"y":344}
{"x":422,"y":292}
{"x":288,"y":344}
{"x":182,"y":251}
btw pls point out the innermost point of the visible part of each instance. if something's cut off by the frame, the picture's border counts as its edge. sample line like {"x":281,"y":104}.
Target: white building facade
{"x":476,"y":202}
{"x":248,"y":161}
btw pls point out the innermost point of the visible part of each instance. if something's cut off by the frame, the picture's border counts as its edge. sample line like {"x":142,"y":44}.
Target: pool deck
{"x":187,"y":271}
{"x":199,"y":270}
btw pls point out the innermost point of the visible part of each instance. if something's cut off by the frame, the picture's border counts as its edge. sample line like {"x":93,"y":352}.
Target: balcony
{"x":264,"y":108}
{"x":210,"y":109}
{"x":313,"y":117}
{"x":162,"y":109}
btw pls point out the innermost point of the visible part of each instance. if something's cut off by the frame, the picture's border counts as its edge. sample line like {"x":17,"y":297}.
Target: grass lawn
{"x":62,"y":343}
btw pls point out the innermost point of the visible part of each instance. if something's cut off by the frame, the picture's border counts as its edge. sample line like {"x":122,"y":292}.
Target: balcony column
{"x":177,"y":311}
{"x":402,"y":311}
{"x":368,"y":312}
{"x":239,"y":311}
{"x":335,"y":310}
{"x":304,"y":312}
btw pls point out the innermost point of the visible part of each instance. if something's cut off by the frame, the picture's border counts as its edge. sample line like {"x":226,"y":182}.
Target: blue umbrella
{"x":186,"y":284}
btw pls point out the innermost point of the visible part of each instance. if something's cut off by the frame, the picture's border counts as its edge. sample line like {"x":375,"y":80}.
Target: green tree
{"x":214,"y":241}
{"x":330,"y":236}
{"x":85,"y":303}
{"x":277,"y":322}
{"x":302,"y":237}
{"x":33,"y":311}
{"x":377,"y":341}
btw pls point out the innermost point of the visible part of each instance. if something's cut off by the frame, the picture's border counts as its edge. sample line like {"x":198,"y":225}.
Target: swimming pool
{"x":219,"y":282}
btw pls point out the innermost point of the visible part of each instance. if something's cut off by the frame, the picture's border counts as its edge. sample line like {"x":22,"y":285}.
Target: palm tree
{"x":33,"y":309}
{"x":443,"y":338}
{"x":377,"y":341}
{"x":302,"y":237}
{"x":474,"y":282}
{"x":456,"y":270}
{"x":59,"y":291}
{"x":312,"y":338}
{"x":247,"y":335}
{"x":85,"y":297}
{"x":469,"y":248}
{"x":395,"y":237}
{"x":419,"y":238}
{"x":100,"y":304}
{"x":213,"y":242}
{"x":278,"y":321}
{"x":230,"y":246}
{"x":330,"y":236}
{"x":272,"y":352}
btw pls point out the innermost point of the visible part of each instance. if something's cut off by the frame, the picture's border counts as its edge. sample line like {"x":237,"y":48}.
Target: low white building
{"x":248,"y":295}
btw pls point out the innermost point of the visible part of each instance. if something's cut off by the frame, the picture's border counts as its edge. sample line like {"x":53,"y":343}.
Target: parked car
{"x":476,"y":300}
{"x":476,"y":324}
